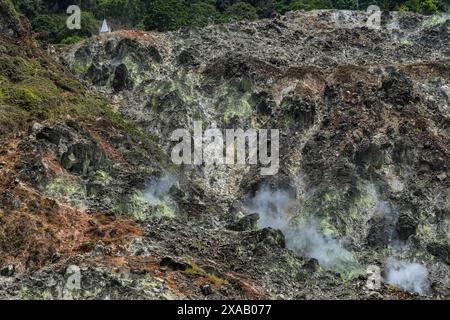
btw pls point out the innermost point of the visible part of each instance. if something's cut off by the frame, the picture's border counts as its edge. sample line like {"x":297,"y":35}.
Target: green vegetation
{"x":52,"y":27}
{"x":241,"y":10}
{"x":196,"y":271}
{"x":31,"y":91}
{"x":63,"y":186}
{"x":71,"y":40}
{"x":140,"y":207}
{"x":32,"y":88}
{"x":165,"y":15}
{"x":48,"y":16}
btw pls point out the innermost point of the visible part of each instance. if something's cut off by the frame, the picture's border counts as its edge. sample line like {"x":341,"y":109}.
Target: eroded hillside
{"x":93,"y":207}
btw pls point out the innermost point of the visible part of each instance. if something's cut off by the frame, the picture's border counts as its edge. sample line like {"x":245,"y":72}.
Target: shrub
{"x":166,"y":15}
{"x":241,"y":10}
{"x":71,"y":39}
{"x":200,"y":12}
{"x":429,"y":7}
{"x":54,"y":26}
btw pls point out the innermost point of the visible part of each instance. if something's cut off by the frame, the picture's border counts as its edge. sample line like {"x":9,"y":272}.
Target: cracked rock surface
{"x":96,"y":209}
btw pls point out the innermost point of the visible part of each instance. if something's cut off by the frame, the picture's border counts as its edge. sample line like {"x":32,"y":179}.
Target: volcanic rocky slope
{"x":93,"y":207}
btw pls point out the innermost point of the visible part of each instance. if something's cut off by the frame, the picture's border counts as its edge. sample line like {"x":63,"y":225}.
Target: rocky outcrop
{"x":10,"y":24}
{"x":364,"y":134}
{"x":92,"y":206}
{"x":84,"y":158}
{"x":441,"y":251}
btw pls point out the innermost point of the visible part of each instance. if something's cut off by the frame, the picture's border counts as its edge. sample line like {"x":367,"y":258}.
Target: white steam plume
{"x":408,"y":276}
{"x":273,"y":207}
{"x":276,"y":208}
{"x":157,"y":191}
{"x":309,"y":242}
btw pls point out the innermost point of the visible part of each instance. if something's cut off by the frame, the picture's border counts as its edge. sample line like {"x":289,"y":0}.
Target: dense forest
{"x":48,"y":16}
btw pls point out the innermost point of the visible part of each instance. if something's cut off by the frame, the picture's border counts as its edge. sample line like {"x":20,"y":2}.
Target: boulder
{"x":377,"y":235}
{"x":53,"y":135}
{"x":247,"y":223}
{"x":140,"y":52}
{"x":122,"y":80}
{"x":98,"y":75}
{"x":174,"y":264}
{"x":84,"y":158}
{"x":397,"y":88}
{"x":206,"y":289}
{"x":312,"y":265}
{"x":406,"y":226}
{"x":271,"y":237}
{"x":8,"y":271}
{"x":188,"y":58}
{"x":440,"y":251}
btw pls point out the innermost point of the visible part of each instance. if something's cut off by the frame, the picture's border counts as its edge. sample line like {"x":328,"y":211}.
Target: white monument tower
{"x":105,"y":28}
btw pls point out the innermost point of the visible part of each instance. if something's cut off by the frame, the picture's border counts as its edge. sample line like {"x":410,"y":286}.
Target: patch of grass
{"x":196,"y":270}
{"x":80,"y":67}
{"x":11,"y":118}
{"x":17,"y":68}
{"x":25,"y":98}
{"x":71,"y":40}
{"x":9,"y":13}
{"x":102,"y":176}
{"x":38,"y":89}
{"x":30,"y":91}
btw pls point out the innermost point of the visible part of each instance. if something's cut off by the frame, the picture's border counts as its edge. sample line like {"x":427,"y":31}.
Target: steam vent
{"x":120,"y":177}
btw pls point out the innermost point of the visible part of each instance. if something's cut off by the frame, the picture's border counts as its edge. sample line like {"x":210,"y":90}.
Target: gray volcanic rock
{"x":362,"y":113}
{"x":363,"y":116}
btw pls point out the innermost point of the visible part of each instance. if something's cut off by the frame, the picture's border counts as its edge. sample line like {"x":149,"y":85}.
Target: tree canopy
{"x":48,"y":16}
